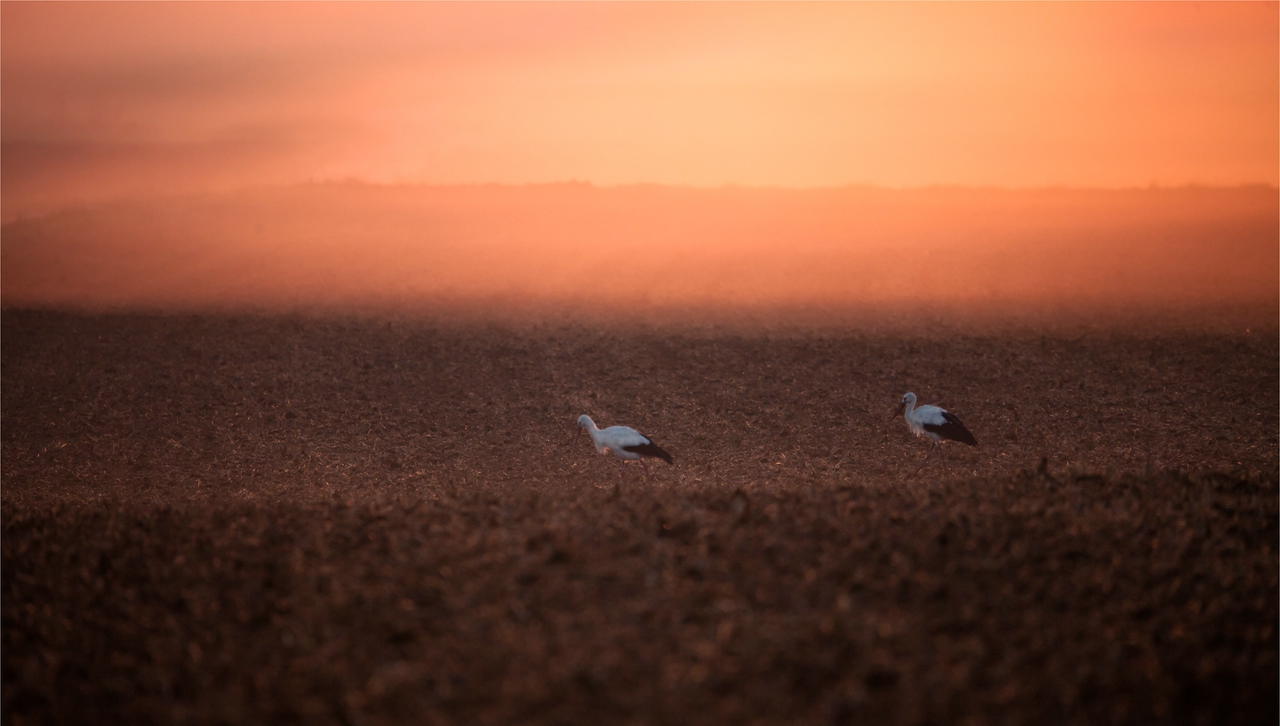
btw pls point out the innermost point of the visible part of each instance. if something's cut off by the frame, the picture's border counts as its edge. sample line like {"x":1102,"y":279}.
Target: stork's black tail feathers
{"x":952,"y":429}
{"x":964,"y":437}
{"x":650,"y":449}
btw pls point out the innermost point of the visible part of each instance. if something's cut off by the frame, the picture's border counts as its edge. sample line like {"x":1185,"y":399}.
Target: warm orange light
{"x":636,"y":251}
{"x":143,"y":103}
{"x":145,"y":96}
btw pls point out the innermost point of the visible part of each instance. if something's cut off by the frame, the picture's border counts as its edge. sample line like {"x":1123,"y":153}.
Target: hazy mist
{"x":649,"y":250}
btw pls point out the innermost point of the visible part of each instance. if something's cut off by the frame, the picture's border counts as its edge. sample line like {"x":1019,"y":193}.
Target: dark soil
{"x":219,"y":519}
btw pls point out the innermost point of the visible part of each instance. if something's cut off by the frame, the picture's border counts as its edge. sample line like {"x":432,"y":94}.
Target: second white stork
{"x":938,"y":424}
{"x":623,"y":442}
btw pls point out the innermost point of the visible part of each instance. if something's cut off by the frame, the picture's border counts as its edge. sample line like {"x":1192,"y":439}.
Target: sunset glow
{"x":369,"y":109}
{"x":758,"y":94}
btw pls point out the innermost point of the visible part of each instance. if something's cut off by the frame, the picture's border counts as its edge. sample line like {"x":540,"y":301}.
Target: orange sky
{"x":155,"y":96}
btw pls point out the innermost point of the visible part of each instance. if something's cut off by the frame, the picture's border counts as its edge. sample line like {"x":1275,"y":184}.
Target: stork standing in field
{"x":938,"y":424}
{"x":626,"y":443}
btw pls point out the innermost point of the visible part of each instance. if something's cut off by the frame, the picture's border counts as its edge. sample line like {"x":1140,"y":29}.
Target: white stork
{"x":625,"y":442}
{"x":936,"y":423}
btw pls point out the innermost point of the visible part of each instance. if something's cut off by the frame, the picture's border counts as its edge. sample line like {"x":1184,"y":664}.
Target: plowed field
{"x":253,"y":519}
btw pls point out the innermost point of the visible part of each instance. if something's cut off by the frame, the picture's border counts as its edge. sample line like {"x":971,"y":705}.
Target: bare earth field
{"x":291,"y":519}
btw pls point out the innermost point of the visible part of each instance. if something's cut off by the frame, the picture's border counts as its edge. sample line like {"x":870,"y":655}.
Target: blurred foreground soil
{"x":249,"y":519}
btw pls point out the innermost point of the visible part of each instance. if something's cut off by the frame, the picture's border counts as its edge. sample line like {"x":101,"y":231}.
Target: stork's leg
{"x":926,"y":460}
{"x":645,"y":465}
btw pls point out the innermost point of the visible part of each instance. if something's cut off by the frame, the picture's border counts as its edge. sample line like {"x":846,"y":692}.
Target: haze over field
{"x":640,"y":156}
{"x":643,"y":251}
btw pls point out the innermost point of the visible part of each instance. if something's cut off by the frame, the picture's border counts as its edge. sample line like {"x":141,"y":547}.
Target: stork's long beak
{"x":901,"y":406}
{"x":577,"y":435}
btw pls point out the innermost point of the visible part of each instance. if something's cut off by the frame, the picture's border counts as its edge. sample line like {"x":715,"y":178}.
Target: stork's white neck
{"x":584,"y":421}
{"x":910,"y":401}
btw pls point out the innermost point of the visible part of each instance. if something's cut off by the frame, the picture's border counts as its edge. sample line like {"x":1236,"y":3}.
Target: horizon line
{"x":36,"y":208}
{"x":356,"y":181}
